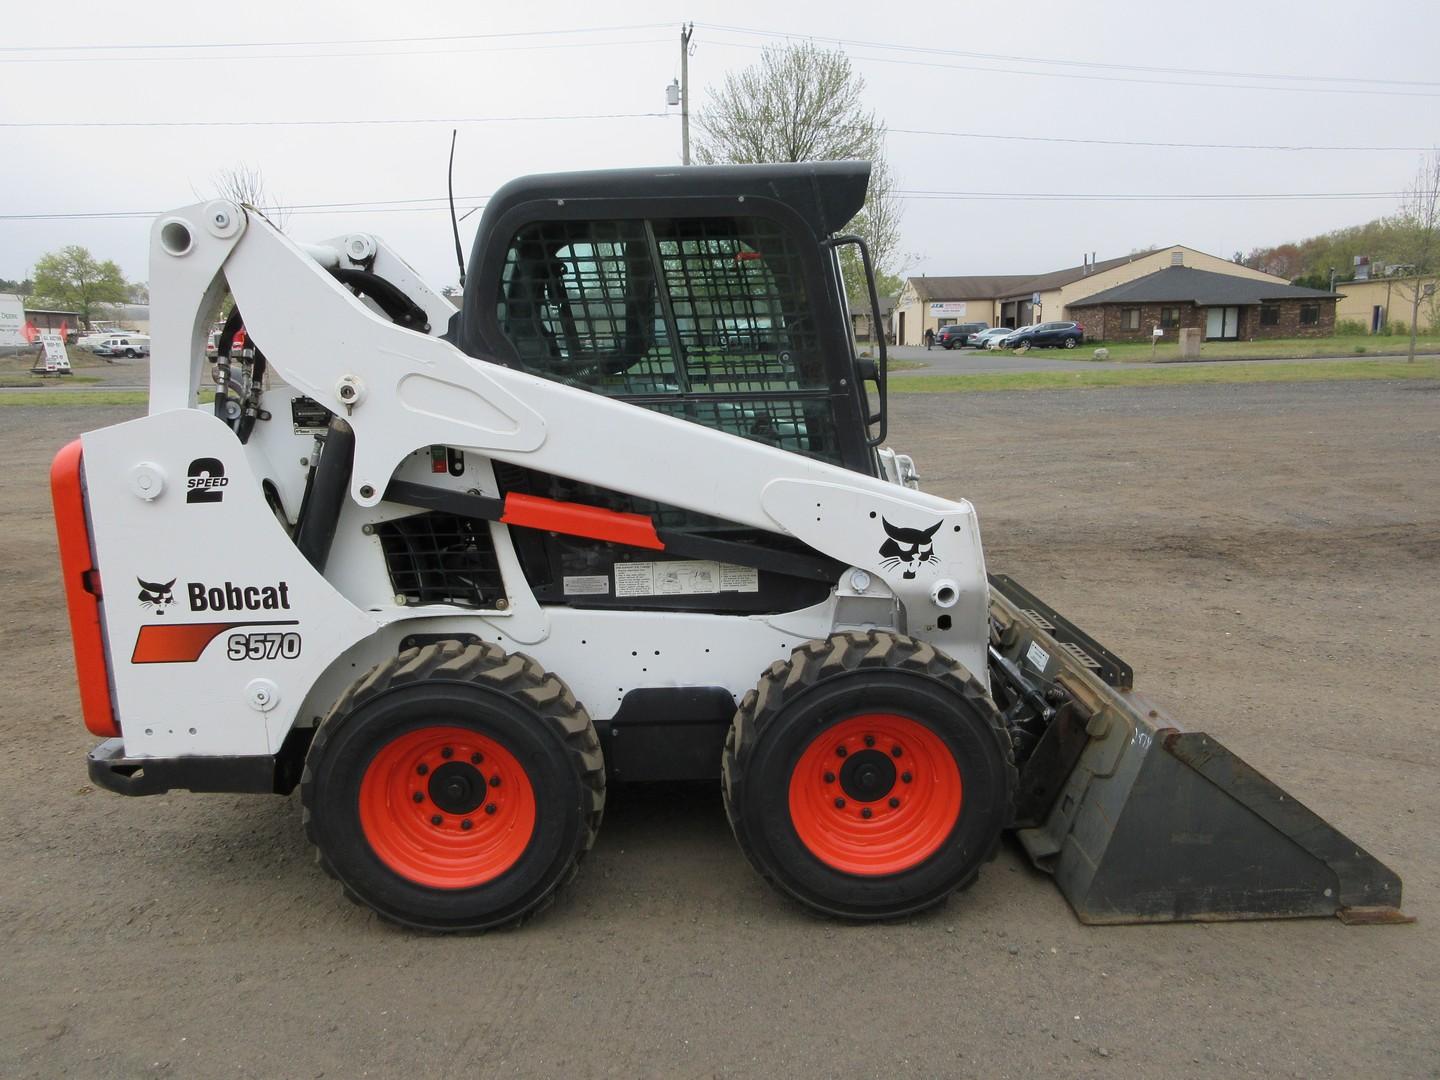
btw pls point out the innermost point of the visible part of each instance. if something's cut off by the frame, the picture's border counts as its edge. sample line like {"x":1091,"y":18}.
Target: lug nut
{"x":906,"y":777}
{"x":447,"y":753}
{"x":437,"y":820}
{"x":490,"y":808}
{"x":422,"y":769}
{"x":869,"y":740}
{"x":894,"y":804}
{"x":477,"y":758}
{"x":829,"y":778}
{"x":840,"y":804}
{"x":495,"y":780}
{"x":467,"y":824}
{"x":418,"y":797}
{"x":865,"y":812}
{"x":895,"y":751}
{"x":840,"y":751}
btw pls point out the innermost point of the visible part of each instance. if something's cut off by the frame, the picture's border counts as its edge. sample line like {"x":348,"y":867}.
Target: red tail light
{"x":1080,"y":327}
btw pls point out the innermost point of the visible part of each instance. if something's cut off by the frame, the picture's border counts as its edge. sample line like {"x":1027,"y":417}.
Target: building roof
{"x":975,"y":287}
{"x":1059,"y":278}
{"x":1185,"y":284}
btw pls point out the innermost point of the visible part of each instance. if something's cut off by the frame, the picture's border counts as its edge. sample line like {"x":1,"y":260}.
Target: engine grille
{"x":438,"y":558}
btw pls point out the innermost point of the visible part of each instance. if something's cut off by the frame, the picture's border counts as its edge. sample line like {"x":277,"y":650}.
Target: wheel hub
{"x":867,"y":776}
{"x":457,"y":787}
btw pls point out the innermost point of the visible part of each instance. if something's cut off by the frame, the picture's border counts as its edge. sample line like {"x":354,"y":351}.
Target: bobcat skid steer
{"x":625,"y":516}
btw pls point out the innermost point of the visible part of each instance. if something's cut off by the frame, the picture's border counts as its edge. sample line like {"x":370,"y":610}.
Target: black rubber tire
{"x":509,"y":698}
{"x":129,"y":354}
{"x":824,"y":683}
{"x":1070,"y":343}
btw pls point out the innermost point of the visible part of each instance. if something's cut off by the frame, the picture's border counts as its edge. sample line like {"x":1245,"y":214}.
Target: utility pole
{"x":687,"y":31}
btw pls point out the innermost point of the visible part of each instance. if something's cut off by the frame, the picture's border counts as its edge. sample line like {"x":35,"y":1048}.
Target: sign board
{"x":56,"y":360}
{"x":1035,"y":299}
{"x":1157,"y":332}
{"x":12,"y":320}
{"x":948,"y":309}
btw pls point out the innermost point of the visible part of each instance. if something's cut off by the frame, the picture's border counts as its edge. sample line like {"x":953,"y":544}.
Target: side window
{"x":737,"y":290}
{"x":723,"y":335}
{"x":578,"y":302}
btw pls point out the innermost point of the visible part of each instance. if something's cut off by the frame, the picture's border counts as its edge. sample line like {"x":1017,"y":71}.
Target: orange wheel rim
{"x":446,"y":807}
{"x":875,"y":794}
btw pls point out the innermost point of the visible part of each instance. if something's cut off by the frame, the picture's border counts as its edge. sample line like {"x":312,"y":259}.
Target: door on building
{"x":1222,"y":323}
{"x":1377,"y":318}
{"x":900,"y":331}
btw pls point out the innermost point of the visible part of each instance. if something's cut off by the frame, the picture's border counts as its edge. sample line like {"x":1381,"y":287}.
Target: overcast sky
{"x":1071,"y":71}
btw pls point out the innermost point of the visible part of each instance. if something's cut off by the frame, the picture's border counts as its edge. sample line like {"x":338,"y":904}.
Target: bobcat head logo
{"x":908,"y":547}
{"x":158,"y":596}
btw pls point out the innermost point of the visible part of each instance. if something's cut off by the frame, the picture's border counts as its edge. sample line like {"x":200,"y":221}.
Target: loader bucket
{"x":1140,"y":821}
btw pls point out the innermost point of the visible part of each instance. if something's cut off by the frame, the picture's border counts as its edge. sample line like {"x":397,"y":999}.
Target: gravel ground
{"x":1265,"y":556}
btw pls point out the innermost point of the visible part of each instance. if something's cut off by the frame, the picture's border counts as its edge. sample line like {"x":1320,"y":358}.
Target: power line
{"x":1088,"y":78}
{"x":393,"y":206}
{"x":1153,"y":145}
{"x":218,"y":58}
{"x":110,"y":46}
{"x":357,"y":122}
{"x":1039,"y":196}
{"x":1061,"y":61}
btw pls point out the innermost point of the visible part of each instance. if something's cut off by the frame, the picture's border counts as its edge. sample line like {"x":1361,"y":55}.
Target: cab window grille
{"x":438,"y":558}
{"x":723,"y":335}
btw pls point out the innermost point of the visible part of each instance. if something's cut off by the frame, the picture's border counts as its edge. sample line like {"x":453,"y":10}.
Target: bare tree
{"x":1417,"y":228}
{"x":245,"y":184}
{"x":805,"y":103}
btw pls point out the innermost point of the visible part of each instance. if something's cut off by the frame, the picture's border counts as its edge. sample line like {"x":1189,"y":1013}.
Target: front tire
{"x":454,"y":787}
{"x":868,"y":777}
{"x":1070,"y":343}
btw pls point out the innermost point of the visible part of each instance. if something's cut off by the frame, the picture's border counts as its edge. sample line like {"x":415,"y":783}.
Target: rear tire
{"x":1070,"y":343}
{"x":454,"y":787}
{"x":868,"y":777}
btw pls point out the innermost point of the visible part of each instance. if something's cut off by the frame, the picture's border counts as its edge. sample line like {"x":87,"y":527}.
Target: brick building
{"x":1223,"y":307}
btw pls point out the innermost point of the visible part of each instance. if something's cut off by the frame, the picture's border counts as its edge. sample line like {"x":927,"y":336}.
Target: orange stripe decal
{"x":574,"y":519}
{"x":176,"y":643}
{"x":82,"y":591}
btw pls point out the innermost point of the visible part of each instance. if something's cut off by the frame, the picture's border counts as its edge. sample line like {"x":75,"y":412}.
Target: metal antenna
{"x":454,"y":221}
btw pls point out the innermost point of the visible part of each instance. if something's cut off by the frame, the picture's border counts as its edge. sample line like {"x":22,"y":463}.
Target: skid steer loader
{"x":626,"y":515}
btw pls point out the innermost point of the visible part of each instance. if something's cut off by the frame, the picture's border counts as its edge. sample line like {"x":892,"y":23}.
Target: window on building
{"x":1309,"y":314}
{"x":1269,"y":314}
{"x":1130,"y":318}
{"x":1170,"y":318}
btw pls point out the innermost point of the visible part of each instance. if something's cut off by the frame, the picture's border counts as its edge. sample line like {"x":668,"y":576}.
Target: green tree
{"x":1417,"y":226}
{"x":805,"y":103}
{"x":22,"y":288}
{"x":72,"y":280}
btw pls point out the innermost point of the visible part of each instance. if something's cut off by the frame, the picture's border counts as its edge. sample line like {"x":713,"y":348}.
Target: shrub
{"x":1359,"y":349}
{"x":1349,"y":328}
{"x":1400,"y":327}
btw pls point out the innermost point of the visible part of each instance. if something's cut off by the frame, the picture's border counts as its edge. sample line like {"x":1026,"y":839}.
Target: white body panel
{"x":411,"y":391}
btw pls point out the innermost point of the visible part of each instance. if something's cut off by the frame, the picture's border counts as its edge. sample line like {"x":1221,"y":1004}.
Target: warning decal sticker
{"x":684,"y":577}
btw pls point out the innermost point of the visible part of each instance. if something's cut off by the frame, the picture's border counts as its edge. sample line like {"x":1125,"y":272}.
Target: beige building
{"x":1386,"y":301}
{"x":1024,"y":299}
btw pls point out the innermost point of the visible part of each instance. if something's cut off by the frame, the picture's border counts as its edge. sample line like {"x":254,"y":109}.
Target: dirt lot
{"x":1268,"y":559}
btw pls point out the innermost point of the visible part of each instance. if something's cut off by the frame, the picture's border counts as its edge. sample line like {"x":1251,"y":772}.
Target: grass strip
{"x":1167,"y":375}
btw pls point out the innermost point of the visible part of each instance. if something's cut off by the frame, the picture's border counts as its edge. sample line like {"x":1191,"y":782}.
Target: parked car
{"x":957,"y":335}
{"x":989,"y":339}
{"x":1047,"y":335}
{"x":126,"y":345}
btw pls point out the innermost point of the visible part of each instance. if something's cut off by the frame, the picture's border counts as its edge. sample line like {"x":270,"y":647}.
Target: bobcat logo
{"x":908,"y":547}
{"x":156,"y":595}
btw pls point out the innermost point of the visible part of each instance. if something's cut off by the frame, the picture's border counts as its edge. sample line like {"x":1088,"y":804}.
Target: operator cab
{"x":712,"y":294}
